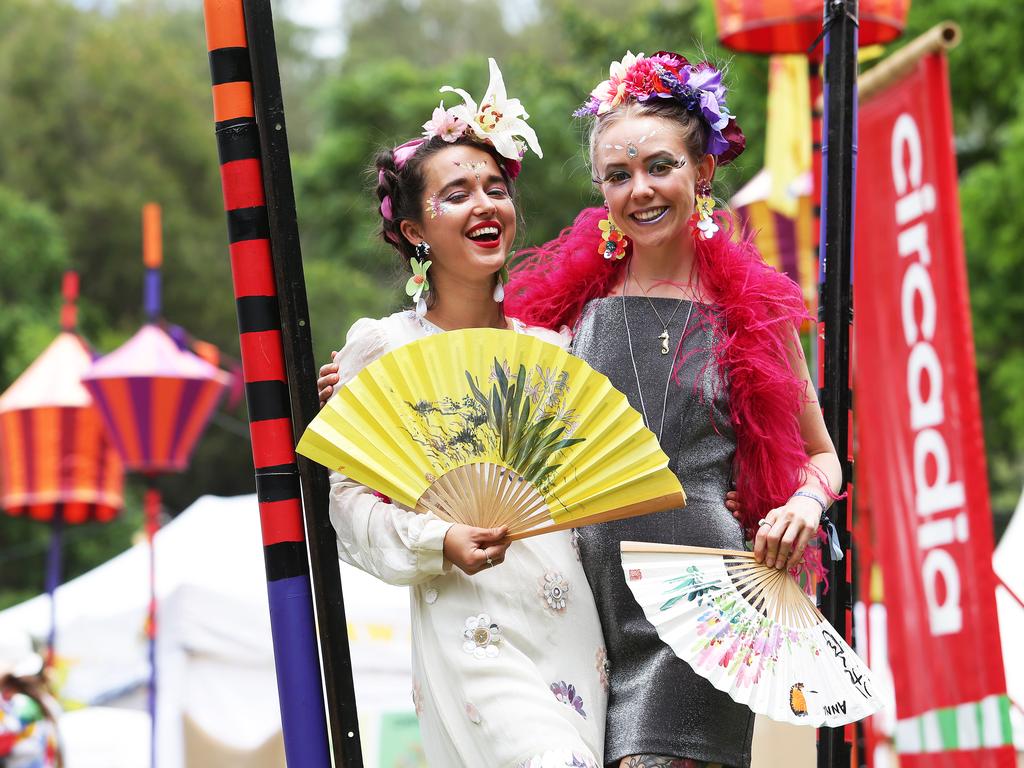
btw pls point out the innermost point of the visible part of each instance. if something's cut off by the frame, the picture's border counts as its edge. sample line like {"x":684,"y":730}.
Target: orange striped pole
{"x":277,"y":356}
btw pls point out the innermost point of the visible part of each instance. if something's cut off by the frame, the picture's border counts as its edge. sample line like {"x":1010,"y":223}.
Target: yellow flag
{"x":788,"y":134}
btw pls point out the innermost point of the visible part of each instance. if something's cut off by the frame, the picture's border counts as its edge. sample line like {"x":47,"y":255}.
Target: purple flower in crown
{"x":704,"y":77}
{"x":590,"y":107}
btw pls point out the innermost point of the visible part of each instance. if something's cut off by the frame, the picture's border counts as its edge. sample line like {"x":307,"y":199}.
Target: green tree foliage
{"x":34,"y":256}
{"x":103,"y":112}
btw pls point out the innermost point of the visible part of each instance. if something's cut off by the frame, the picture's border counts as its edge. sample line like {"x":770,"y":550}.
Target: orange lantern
{"x":791,"y":26}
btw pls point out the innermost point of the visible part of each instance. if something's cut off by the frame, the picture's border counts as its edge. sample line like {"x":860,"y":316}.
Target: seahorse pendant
{"x":664,"y":341}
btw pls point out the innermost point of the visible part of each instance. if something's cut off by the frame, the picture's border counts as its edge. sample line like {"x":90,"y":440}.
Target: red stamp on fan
{"x":635,"y":574}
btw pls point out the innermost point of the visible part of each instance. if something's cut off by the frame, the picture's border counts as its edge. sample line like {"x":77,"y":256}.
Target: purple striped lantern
{"x":155,"y":399}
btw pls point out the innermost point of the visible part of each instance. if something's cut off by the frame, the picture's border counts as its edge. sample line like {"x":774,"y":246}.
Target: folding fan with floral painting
{"x":751,"y":631}
{"x":491,"y":428}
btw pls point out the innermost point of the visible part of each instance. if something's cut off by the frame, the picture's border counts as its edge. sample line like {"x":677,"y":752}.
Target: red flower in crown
{"x":670,"y":60}
{"x":642,"y":79}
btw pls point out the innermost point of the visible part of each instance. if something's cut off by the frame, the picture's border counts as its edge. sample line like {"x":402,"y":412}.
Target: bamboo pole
{"x":943,"y":36}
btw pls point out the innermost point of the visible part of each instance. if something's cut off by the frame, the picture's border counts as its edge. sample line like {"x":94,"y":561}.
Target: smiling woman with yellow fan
{"x":508,"y":658}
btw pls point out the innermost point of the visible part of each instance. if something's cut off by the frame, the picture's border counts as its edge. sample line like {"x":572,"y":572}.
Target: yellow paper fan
{"x":751,"y":631}
{"x":490,"y":428}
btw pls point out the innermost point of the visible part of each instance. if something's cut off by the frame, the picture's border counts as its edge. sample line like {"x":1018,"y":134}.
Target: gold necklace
{"x":663,"y":337}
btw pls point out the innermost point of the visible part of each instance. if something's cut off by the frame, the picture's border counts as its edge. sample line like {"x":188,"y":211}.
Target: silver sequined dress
{"x":657,"y":704}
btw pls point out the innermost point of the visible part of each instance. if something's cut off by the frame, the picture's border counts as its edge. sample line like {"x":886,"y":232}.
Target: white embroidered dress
{"x":509,"y":665}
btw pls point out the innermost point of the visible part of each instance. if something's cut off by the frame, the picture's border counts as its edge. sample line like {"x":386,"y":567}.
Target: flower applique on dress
{"x":417,"y":697}
{"x":481,"y":637}
{"x":603,"y":666}
{"x":566,"y":693}
{"x":559,"y":758}
{"x":554,"y":590}
{"x":473,"y":714}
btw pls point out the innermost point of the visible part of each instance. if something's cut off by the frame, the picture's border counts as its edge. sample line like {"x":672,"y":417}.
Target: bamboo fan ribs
{"x":489,"y":428}
{"x":751,"y":631}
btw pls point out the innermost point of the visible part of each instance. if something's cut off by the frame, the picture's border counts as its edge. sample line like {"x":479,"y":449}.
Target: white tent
{"x":1009,"y":567}
{"x":216,"y":685}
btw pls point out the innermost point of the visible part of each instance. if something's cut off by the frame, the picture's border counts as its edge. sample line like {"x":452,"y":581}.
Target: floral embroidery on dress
{"x":473,"y":714}
{"x":559,"y":758}
{"x":554,"y":589}
{"x":417,"y":697}
{"x":430,"y":596}
{"x":566,"y":693}
{"x":603,"y":666}
{"x":481,"y":636}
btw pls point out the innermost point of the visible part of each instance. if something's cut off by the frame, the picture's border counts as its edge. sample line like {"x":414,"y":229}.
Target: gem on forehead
{"x":631,"y":150}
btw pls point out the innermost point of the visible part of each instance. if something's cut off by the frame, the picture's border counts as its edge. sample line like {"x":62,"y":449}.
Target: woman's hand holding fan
{"x":751,"y":631}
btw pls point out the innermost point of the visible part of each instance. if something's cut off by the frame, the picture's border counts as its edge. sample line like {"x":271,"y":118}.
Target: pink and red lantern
{"x":57,"y":464}
{"x":791,"y":26}
{"x":155,"y":399}
{"x":55,"y":458}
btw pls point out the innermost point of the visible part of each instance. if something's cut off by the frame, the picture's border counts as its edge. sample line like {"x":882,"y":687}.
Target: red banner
{"x":921,"y":454}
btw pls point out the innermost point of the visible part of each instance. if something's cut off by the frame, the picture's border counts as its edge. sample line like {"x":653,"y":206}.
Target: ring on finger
{"x":762,"y":521}
{"x":490,"y":563}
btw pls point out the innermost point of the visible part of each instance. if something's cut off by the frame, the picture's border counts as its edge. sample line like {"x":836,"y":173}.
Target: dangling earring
{"x":702,"y":223}
{"x":418,"y":286}
{"x":499,"y":286}
{"x":613,"y":242}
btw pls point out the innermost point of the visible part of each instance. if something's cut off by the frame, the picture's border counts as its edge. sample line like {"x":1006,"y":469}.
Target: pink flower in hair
{"x":642,"y":80}
{"x":444,"y":124}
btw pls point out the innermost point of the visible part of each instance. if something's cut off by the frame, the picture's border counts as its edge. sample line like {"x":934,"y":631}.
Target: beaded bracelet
{"x":816,"y":497}
{"x":836,"y":549}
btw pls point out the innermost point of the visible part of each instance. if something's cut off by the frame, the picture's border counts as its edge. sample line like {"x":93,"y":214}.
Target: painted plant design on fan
{"x":523,"y":418}
{"x":752,"y":640}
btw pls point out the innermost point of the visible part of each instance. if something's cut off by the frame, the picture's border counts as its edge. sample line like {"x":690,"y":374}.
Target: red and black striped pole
{"x":277,"y":352}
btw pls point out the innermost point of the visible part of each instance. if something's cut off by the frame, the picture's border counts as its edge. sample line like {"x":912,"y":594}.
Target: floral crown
{"x":498,"y":121}
{"x":667,"y":75}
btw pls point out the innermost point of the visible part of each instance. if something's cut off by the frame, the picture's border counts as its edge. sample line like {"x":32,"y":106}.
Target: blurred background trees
{"x":106,"y":106}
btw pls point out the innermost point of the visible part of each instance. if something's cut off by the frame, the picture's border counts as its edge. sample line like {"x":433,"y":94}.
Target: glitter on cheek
{"x":436,"y":206}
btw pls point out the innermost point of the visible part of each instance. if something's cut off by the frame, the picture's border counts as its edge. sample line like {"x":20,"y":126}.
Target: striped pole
{"x":301,"y":365}
{"x":152,"y":260}
{"x":68,"y":324}
{"x":303,"y":715}
{"x":151,"y":508}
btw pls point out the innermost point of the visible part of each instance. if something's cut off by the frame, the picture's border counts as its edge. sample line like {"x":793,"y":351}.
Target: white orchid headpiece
{"x":497,"y":120}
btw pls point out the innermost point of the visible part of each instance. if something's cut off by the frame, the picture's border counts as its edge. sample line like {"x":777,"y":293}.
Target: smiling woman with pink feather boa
{"x":701,"y":335}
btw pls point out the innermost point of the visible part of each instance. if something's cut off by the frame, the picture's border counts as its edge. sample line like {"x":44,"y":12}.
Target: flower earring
{"x":702,"y":223}
{"x":613,"y":242}
{"x":418,"y":286}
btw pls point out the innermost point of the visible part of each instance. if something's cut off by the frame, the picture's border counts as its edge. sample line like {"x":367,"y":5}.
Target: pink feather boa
{"x":760,"y":311}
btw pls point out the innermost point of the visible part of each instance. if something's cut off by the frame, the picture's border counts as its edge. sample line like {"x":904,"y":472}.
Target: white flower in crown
{"x":618,"y":69}
{"x":610,"y":93}
{"x":498,"y":120}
